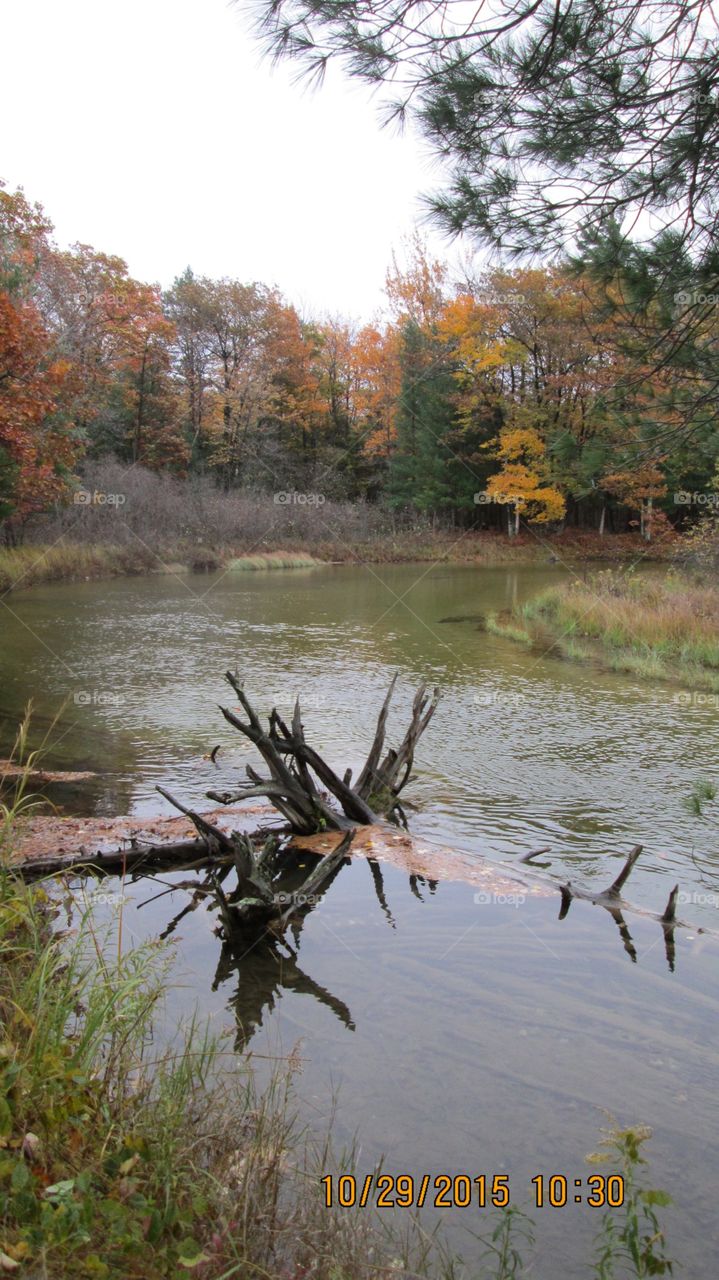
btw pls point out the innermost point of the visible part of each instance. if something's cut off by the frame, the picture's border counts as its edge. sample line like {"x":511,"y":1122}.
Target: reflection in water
{"x":416,"y":881}
{"x":610,"y":901}
{"x":378,"y":880}
{"x":264,"y":970}
{"x":624,"y":933}
{"x":261,"y":958}
{"x":259,"y":954}
{"x":264,"y":963}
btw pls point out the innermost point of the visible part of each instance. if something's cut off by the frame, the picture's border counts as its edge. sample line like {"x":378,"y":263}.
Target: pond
{"x":459,"y":1035}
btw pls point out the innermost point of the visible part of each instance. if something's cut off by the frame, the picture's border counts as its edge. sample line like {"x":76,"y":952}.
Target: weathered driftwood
{"x":12,"y":772}
{"x":255,"y":902}
{"x":298,"y":771}
{"x":613,"y":902}
{"x":301,"y":786}
{"x":135,"y":857}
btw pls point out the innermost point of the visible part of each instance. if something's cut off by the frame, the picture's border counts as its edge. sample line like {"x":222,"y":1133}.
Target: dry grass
{"x":274,"y":560}
{"x":28,"y":566}
{"x":663,"y":628}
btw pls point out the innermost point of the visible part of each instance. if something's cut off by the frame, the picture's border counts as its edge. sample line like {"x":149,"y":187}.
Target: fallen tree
{"x":302,"y":787}
{"x":298,"y":771}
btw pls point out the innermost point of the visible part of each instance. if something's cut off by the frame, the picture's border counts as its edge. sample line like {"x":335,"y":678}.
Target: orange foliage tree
{"x":37,"y":444}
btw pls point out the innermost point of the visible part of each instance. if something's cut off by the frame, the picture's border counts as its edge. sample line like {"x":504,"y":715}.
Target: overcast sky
{"x":154,"y":130}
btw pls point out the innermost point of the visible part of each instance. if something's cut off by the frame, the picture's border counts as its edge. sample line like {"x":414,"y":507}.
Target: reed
{"x":664,"y":628}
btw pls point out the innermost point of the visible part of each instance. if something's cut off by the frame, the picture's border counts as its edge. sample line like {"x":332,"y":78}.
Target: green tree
{"x":420,"y":469}
{"x":589,"y":126}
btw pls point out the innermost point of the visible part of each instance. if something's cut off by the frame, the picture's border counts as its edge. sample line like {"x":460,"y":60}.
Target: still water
{"x":457,"y":1036}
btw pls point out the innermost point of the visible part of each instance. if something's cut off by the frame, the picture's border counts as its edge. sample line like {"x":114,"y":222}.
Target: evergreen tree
{"x":420,"y":471}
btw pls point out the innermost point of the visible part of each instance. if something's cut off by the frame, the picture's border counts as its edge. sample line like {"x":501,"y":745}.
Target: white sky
{"x":154,"y":130}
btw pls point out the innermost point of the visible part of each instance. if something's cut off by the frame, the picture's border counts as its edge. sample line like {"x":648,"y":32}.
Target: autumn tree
{"x":523,"y":483}
{"x":37,"y":441}
{"x":222,"y":328}
{"x":376,"y":353}
{"x":149,"y":415}
{"x":293,"y":426}
{"x":186,"y":306}
{"x":113,"y":333}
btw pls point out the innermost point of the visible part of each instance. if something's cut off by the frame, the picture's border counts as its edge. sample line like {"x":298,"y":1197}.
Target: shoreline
{"x":660,"y":631}
{"x":39,"y":565}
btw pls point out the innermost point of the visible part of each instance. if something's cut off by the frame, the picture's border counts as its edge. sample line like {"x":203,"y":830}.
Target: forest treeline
{"x":529,"y":394}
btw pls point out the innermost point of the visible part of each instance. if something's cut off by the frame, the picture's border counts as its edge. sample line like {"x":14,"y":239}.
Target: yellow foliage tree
{"x":523,"y":482}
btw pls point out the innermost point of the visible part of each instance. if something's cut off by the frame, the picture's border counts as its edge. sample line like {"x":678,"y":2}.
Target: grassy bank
{"x":72,"y":561}
{"x":658,"y":628}
{"x":115,"y":1162}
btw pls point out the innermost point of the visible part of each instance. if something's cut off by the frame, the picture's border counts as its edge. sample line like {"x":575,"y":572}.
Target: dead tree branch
{"x":298,"y":771}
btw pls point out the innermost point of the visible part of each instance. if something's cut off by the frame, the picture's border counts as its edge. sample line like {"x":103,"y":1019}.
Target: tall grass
{"x":274,"y":560}
{"x":30,"y":565}
{"x":655,"y":627}
{"x":16,"y":801}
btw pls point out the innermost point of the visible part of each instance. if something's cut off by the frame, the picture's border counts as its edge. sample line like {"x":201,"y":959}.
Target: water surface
{"x":525,"y":749}
{"x":455,"y":1036}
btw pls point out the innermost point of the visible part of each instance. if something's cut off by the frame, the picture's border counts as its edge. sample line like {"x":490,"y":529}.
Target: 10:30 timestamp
{"x":598,"y":1191}
{"x":443,"y":1191}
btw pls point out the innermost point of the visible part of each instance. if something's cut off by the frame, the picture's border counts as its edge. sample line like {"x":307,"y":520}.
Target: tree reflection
{"x":261,"y":960}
